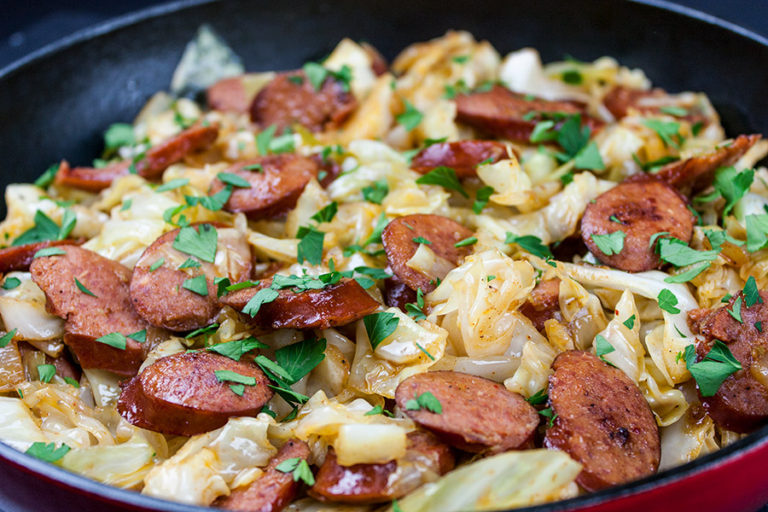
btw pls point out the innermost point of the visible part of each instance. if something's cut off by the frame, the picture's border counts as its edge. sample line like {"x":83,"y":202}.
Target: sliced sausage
{"x":159,"y":296}
{"x":335,"y":305}
{"x":602,"y":421}
{"x":503,"y":113}
{"x":229,"y":95}
{"x":377,"y":483}
{"x":443,"y":233}
{"x":462,"y":156}
{"x":290,"y":98}
{"x":478,"y":415}
{"x":20,"y":257}
{"x":181,"y":395}
{"x":643,"y":208}
{"x":276,"y":185}
{"x":272,"y":491}
{"x":397,"y":294}
{"x":696,"y":173}
{"x":620,"y":100}
{"x":741,"y":402}
{"x":543,"y":303}
{"x":329,"y":169}
{"x":91,"y":317}
{"x":156,"y":160}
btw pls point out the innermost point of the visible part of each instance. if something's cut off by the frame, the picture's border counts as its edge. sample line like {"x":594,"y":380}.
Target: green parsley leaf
{"x":735,"y":310}
{"x":47,"y":177}
{"x":538,"y":398}
{"x":233,"y":179}
{"x":113,"y":339}
{"x":426,"y":401}
{"x":529,"y":243}
{"x":49,"y":251}
{"x":171,"y":212}
{"x":629,"y":323}
{"x":157,"y":264}
{"x":230,"y":376}
{"x":241,"y":286}
{"x":378,"y":410}
{"x":310,"y":246}
{"x":44,"y":229}
{"x":667,"y":301}
{"x":711,"y":371}
{"x":567,"y":178}
{"x":46,"y":372}
{"x":689,"y":274}
{"x":654,"y":165}
{"x":421,"y":240}
{"x":376,"y":192}
{"x":679,"y":254}
{"x":550,"y":415}
{"x":298,"y":468}
{"x":253,"y":167}
{"x":696,"y":128}
{"x":6,"y":338}
{"x":411,"y":118}
{"x":238,"y":348}
{"x":589,"y":158}
{"x":126,"y":205}
{"x":118,"y":135}
{"x":82,"y":288}
{"x":72,"y":382}
{"x":444,"y":177}
{"x":316,"y":74}
{"x":610,"y":243}
{"x":189,"y":263}
{"x":572,"y":76}
{"x":282,"y":144}
{"x":47,"y":452}
{"x":140,"y":336}
{"x":603,"y":347}
{"x":751,"y":293}
{"x":732,"y":185}
{"x":418,"y":345}
{"x":298,"y":359}
{"x":375,"y":273}
{"x":273,"y":370}
{"x":213,"y":202}
{"x":460,"y":59}
{"x":264,"y":138}
{"x":573,"y":137}
{"x":674,"y":111}
{"x":472,"y":240}
{"x":197,"y":284}
{"x":173,"y":185}
{"x":757,"y":231}
{"x":327,"y":213}
{"x":379,"y":326}
{"x":396,"y":506}
{"x":481,"y":198}
{"x":263,"y":296}
{"x":11,"y":282}
{"x":203,"y":330}
{"x":668,"y":132}
{"x":199,"y":242}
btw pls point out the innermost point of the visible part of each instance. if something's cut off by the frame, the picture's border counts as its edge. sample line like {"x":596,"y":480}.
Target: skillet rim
{"x":110,"y":494}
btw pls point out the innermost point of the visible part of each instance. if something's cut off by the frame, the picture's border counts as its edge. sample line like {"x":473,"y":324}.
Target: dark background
{"x":26,"y":25}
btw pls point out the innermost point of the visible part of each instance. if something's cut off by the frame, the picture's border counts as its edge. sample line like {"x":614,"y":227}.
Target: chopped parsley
{"x":47,"y":177}
{"x":416,"y":310}
{"x":629,"y":323}
{"x":751,"y":293}
{"x":47,"y":452}
{"x":610,"y":243}
{"x":82,"y":288}
{"x":572,"y":76}
{"x":113,"y":339}
{"x":410,"y":118}
{"x":173,"y":185}
{"x":731,"y":185}
{"x":157,"y":264}
{"x":603,"y":347}
{"x":444,"y":177}
{"x":11,"y":282}
{"x":6,"y":338}
{"x":421,"y":240}
{"x":298,"y":468}
{"x":757,"y":231}
{"x":189,"y":263}
{"x":667,"y":301}
{"x":529,"y":243}
{"x":200,"y":243}
{"x":472,"y":240}
{"x":674,"y":111}
{"x":379,"y":326}
{"x":46,"y":372}
{"x":310,"y":247}
{"x":49,"y":251}
{"x":711,"y":371}
{"x":539,"y":397}
{"x":668,"y":132}
{"x":46,"y":229}
{"x":119,"y":135}
{"x":378,"y":410}
{"x":482,"y":197}
{"x":327,"y":213}
{"x":679,"y":254}
{"x":735,"y":310}
{"x":263,"y":296}
{"x":197,"y":284}
{"x":376,"y":192}
{"x":550,"y":415}
{"x":426,"y":401}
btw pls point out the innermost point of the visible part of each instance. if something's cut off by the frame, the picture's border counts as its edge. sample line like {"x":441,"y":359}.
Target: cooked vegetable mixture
{"x":460,"y":281}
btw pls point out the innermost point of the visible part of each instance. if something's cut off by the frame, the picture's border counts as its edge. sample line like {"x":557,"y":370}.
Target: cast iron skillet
{"x":57,"y":102}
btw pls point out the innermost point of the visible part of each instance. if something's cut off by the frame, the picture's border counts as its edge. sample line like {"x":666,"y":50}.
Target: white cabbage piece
{"x":481,"y":315}
{"x":512,"y":479}
{"x":105,"y":386}
{"x":206,"y":60}
{"x":202,"y":469}
{"x":495,"y":368}
{"x":280,"y":249}
{"x":358,"y":443}
{"x":23,"y":308}
{"x":373,"y":116}
{"x":311,"y":200}
{"x":18,"y":427}
{"x":398,"y":357}
{"x":349,"y":53}
{"x":628,"y":354}
{"x":582,"y":312}
{"x":511,"y":185}
{"x":686,"y":439}
{"x":122,"y":465}
{"x":664,"y":342}
{"x":523,"y":72}
{"x":535,"y":368}
{"x":667,"y":402}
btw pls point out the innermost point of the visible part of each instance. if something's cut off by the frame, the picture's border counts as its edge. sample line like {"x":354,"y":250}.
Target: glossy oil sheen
{"x":59,"y":103}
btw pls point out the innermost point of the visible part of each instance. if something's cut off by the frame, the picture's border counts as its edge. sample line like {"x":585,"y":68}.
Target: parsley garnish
{"x":426,"y":401}
{"x":263,"y":296}
{"x":629,"y":323}
{"x":298,"y":468}
{"x":327,"y":213}
{"x":45,"y":229}
{"x":482,"y":197}
{"x":667,"y":301}
{"x":538,"y":398}
{"x":751,"y":293}
{"x":711,"y":371}
{"x":200,"y":242}
{"x":411,"y":118}
{"x":82,"y":288}
{"x":610,"y":243}
{"x":572,"y":76}
{"x":310,"y":247}
{"x":689,"y":274}
{"x":444,"y":177}
{"x":668,"y":132}
{"x":49,"y":251}
{"x":674,"y":111}
{"x":472,"y":240}
{"x":679,"y":254}
{"x":421,"y":240}
{"x":757,"y":231}
{"x":113,"y":339}
{"x":550,"y":415}
{"x":416,"y":311}
{"x":378,"y":410}
{"x":197,"y":284}
{"x":189,"y":263}
{"x":6,"y":338}
{"x":235,"y":180}
{"x":529,"y":243}
{"x":157,"y":264}
{"x":47,"y":452}
{"x":379,"y":326}
{"x":603,"y":347}
{"x":48,"y":176}
{"x":729,"y":184}
{"x":735,"y":310}
{"x":118,"y":135}
{"x":46,"y":372}
{"x":298,"y":359}
{"x":172,"y":185}
{"x":11,"y":282}
{"x":376,"y":192}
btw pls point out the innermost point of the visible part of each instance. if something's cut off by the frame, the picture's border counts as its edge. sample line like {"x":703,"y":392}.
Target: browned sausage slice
{"x":397,"y":294}
{"x":181,"y":394}
{"x":159,"y":295}
{"x":377,"y":483}
{"x":463,"y":156}
{"x":228,"y":95}
{"x":290,"y":98}
{"x":157,"y":159}
{"x":741,"y":402}
{"x":620,"y":100}
{"x":443,"y":233}
{"x":643,"y":208}
{"x":90,"y":317}
{"x":335,"y":305}
{"x":543,"y":303}
{"x":20,"y":257}
{"x":602,"y":421}
{"x":503,"y":113}
{"x":696,"y":173}
{"x":276,"y":184}
{"x":272,"y":491}
{"x":478,"y":415}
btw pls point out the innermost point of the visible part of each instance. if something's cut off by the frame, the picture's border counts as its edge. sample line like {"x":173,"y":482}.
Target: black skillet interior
{"x":57,"y":104}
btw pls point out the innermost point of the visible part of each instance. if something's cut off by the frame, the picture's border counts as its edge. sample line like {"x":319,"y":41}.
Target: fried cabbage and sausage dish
{"x":459,"y":281}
